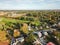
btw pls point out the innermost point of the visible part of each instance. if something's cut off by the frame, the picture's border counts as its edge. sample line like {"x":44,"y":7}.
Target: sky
{"x":29,"y":4}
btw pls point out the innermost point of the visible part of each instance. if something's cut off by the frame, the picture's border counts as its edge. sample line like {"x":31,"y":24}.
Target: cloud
{"x":55,"y":0}
{"x":52,"y":1}
{"x":29,"y":4}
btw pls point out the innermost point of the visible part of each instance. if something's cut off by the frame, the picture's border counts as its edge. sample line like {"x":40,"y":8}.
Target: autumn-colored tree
{"x":24,"y":28}
{"x":16,"y":33}
{"x":3,"y":37}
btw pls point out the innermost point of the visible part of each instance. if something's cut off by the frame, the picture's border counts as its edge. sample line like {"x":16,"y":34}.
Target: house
{"x":29,"y":28}
{"x":36,"y":28}
{"x":21,"y":39}
{"x":41,"y":27}
{"x":37,"y":42}
{"x":50,"y":43}
{"x":54,"y":25}
{"x":18,"y":41}
{"x":47,"y":26}
{"x":45,"y":33}
{"x":39,"y":34}
{"x":58,"y":24}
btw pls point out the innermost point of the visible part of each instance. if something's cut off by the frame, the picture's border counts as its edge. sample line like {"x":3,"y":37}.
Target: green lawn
{"x":6,"y":20}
